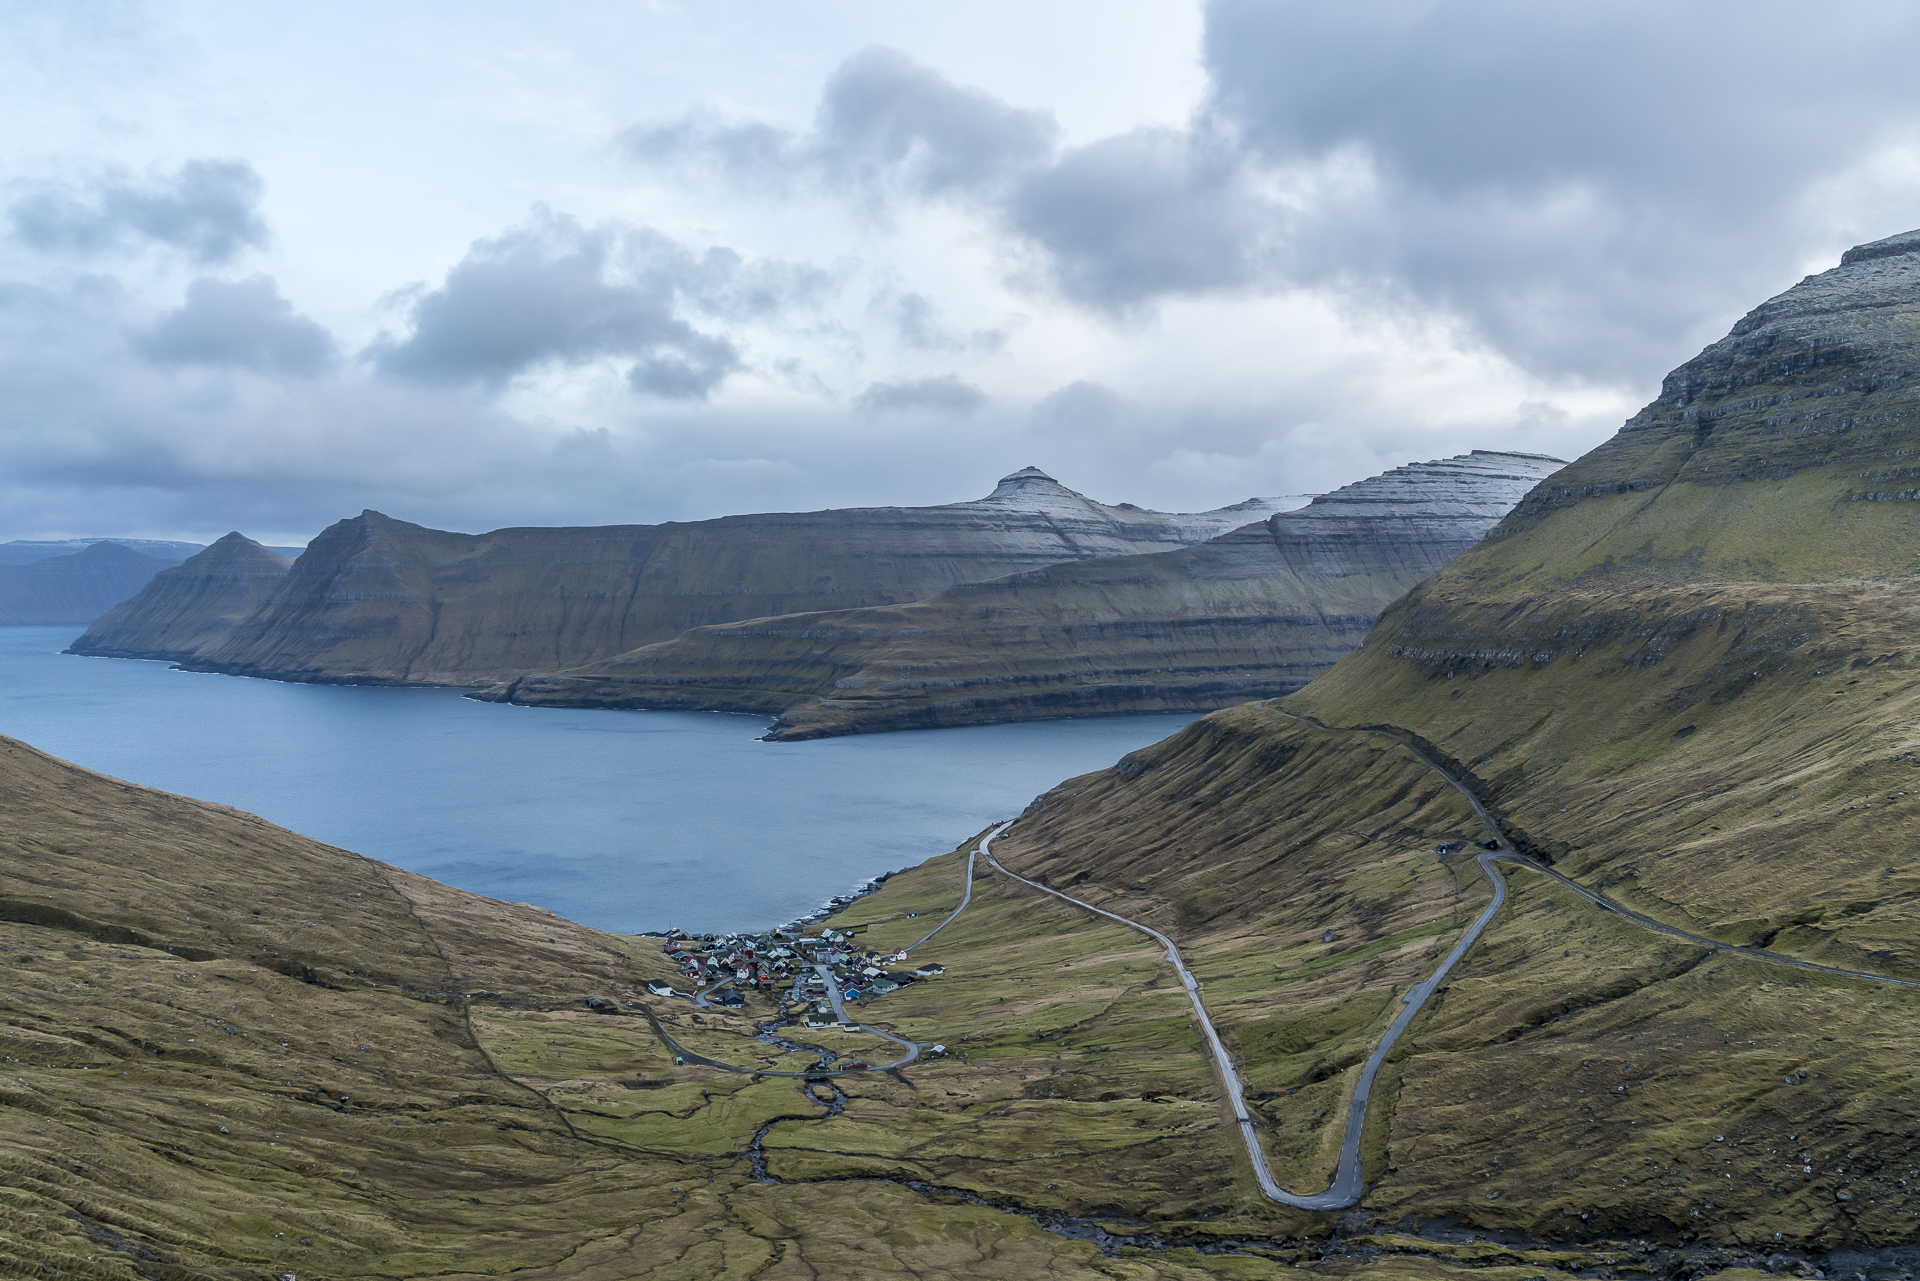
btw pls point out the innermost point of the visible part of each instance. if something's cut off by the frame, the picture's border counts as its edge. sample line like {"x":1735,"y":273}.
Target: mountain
{"x":234,"y":1052}
{"x":183,"y":609}
{"x":1253,"y":613}
{"x":75,"y":588}
{"x":26,"y":551}
{"x":375,"y":600}
{"x":1681,"y":675}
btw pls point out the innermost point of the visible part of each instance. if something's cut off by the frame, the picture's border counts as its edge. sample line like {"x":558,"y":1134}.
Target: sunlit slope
{"x":1706,"y":620}
{"x":1683,"y":669}
{"x":230,"y":1051}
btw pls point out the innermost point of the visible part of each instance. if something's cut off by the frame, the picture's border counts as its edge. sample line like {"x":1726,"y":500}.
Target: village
{"x":818,"y":973}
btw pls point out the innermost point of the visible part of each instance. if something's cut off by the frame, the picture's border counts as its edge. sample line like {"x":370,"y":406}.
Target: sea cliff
{"x":191,"y":606}
{"x":1256,"y":612}
{"x":374,"y":600}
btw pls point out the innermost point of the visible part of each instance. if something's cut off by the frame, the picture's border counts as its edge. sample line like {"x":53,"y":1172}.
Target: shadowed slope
{"x":194,"y":604}
{"x":72,"y":589}
{"x":1253,"y":613}
{"x":375,"y":600}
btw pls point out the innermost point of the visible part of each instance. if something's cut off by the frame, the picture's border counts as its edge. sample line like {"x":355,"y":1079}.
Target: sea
{"x":625,"y":821}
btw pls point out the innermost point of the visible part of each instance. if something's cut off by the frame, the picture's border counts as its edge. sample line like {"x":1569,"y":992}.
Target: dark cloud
{"x":1592,"y":187}
{"x":242,"y":323}
{"x":1129,"y":220}
{"x":884,"y":123}
{"x":207,"y":211}
{"x":883,"y":115}
{"x":555,"y":292}
{"x":946,"y":394}
{"x":1081,"y":408}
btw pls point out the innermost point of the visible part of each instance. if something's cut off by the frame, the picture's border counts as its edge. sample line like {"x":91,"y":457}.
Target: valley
{"x":1662,"y":1028}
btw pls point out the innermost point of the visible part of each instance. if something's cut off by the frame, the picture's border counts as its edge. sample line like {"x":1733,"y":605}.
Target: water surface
{"x":621,"y":820}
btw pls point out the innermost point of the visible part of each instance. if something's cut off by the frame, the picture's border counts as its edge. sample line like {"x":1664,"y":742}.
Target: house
{"x":731,"y":999}
{"x":660,"y":987}
{"x":929,"y":971}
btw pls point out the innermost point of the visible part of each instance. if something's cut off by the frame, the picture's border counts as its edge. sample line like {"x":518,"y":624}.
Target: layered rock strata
{"x":1254,"y":613}
{"x":76,"y":588}
{"x":191,"y":606}
{"x":375,"y":600}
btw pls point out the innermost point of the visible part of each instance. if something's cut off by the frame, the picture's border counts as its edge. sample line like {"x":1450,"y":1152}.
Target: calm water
{"x":622,"y":820}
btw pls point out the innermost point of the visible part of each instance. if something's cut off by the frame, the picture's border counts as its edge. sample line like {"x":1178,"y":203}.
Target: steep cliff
{"x":1683,"y":671}
{"x":192,"y":605}
{"x":375,"y":600}
{"x":76,"y":588}
{"x":1256,"y":612}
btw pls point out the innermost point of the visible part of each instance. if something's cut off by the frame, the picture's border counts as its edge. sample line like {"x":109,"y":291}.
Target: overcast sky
{"x":482,"y":264}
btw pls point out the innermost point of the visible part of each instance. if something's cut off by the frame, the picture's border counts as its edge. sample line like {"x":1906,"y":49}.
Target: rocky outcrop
{"x":75,"y":588}
{"x":191,"y":606}
{"x":375,"y":600}
{"x":1810,"y":401}
{"x":1257,"y":612}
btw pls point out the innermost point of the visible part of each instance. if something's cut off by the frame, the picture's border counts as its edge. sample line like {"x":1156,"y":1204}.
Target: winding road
{"x":1347,"y":1185}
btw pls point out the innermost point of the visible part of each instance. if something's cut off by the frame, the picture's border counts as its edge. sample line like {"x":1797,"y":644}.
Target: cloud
{"x":1081,"y":408}
{"x":207,"y":211}
{"x":1577,"y":187}
{"x":242,"y":323}
{"x":557,"y":293}
{"x":885,"y":123}
{"x":917,"y":326}
{"x":1585,"y":185}
{"x":1149,"y":214}
{"x":946,"y":394}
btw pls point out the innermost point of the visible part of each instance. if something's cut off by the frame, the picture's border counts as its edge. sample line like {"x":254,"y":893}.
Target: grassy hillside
{"x":1683,"y":671}
{"x":231,"y":1051}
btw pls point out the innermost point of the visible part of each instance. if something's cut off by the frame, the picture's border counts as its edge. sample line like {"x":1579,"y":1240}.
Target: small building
{"x":660,"y":987}
{"x":731,"y":999}
{"x":929,"y":971}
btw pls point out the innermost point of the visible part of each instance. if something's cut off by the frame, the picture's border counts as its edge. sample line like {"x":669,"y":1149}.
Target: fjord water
{"x":620,"y":820}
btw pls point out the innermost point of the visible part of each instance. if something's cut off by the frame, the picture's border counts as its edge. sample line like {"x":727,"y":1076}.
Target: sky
{"x":263,"y":265}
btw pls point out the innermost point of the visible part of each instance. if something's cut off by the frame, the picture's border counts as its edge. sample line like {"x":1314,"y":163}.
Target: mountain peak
{"x":1030,"y":483}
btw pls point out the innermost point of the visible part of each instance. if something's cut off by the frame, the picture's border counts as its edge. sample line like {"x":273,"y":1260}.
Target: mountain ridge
{"x":1253,"y":613}
{"x":374,"y":600}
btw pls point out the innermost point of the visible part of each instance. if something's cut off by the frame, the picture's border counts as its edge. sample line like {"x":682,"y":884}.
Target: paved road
{"x":967,"y":896}
{"x":1508,"y":854}
{"x":1346,"y":1187}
